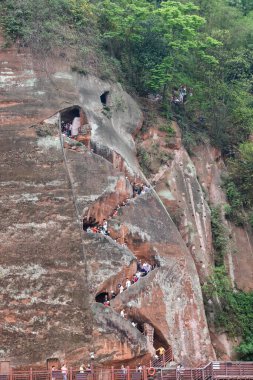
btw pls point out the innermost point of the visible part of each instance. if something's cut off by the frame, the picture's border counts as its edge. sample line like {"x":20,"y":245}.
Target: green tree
{"x":241,"y":172}
{"x":244,"y":5}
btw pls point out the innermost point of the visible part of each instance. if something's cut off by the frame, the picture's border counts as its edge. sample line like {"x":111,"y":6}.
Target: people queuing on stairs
{"x":142,"y":271}
{"x":66,"y":128}
{"x":101,"y":229}
{"x":138,"y":189}
{"x":71,"y":129}
{"x":128,"y":283}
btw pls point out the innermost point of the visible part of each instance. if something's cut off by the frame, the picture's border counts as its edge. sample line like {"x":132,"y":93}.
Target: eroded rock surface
{"x":178,"y":186}
{"x":239,"y":260}
{"x":51,"y":270}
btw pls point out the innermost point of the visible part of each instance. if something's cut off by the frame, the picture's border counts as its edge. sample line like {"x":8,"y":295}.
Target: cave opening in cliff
{"x":89,"y":222}
{"x":74,"y":124}
{"x":160,"y":341}
{"x":140,"y":327}
{"x":104,"y":98}
{"x":102,"y":297}
{"x":68,"y":114}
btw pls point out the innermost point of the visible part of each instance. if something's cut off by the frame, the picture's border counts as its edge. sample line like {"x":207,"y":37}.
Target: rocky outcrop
{"x":51,"y":270}
{"x":239,"y":261}
{"x":178,"y":186}
{"x":153,"y":237}
{"x":173,"y":290}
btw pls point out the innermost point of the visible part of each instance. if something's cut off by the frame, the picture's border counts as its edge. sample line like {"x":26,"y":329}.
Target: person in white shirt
{"x":105,"y":225}
{"x":122,"y":313}
{"x":75,"y":126}
{"x":121,"y":289}
{"x":64,"y":371}
{"x":128,"y":283}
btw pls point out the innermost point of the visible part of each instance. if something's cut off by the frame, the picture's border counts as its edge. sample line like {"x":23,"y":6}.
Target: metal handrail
{"x":212,"y":371}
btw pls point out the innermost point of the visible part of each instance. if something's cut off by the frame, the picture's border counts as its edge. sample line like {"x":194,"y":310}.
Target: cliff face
{"x":187,"y":186}
{"x":51,"y":270}
{"x":239,"y":261}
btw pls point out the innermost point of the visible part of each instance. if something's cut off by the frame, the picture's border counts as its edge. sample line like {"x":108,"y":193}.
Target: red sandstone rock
{"x":210,"y":166}
{"x":51,"y":270}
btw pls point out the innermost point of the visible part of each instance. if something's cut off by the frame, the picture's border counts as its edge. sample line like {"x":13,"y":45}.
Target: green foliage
{"x":152,"y":157}
{"x":233,"y":310}
{"x":151,"y":39}
{"x":79,"y":70}
{"x":144,"y":160}
{"x":219,"y":234}
{"x":244,"y":5}
{"x":235,"y":215}
{"x":241,"y":173}
{"x":233,"y":195}
{"x":168,"y":129}
{"x":160,"y":45}
{"x":107,"y":111}
{"x":238,"y":185}
{"x":251,"y":220}
{"x":65,"y":28}
{"x":44,"y":25}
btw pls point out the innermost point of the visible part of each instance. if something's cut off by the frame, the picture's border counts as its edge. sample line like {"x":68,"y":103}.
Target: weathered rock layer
{"x":51,"y":270}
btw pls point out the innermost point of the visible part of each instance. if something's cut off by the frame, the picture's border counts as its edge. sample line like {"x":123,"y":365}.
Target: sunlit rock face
{"x":51,"y":270}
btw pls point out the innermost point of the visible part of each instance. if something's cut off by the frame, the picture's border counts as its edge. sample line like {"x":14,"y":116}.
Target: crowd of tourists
{"x":99,"y":228}
{"x":71,"y":129}
{"x":85,"y":370}
{"x":64,"y":371}
{"x":138,"y":189}
{"x":142,"y":271}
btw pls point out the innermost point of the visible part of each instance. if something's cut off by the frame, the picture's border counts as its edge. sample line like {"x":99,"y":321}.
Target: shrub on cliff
{"x":219,"y":235}
{"x":241,"y":173}
{"x":233,"y":310}
{"x":65,"y":28}
{"x":46,"y":24}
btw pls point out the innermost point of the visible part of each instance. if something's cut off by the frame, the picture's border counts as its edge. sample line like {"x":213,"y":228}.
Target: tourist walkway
{"x":213,"y":371}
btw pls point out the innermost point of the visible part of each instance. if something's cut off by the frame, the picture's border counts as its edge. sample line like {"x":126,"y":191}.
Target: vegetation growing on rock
{"x":233,"y":310}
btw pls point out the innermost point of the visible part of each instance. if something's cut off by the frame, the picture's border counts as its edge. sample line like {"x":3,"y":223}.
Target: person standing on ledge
{"x":161,"y":350}
{"x":64,"y":371}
